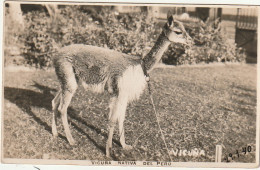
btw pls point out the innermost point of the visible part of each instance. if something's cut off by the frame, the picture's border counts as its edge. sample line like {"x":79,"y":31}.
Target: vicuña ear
{"x":170,"y":20}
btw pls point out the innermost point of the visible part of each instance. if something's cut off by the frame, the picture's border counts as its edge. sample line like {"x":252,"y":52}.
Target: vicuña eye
{"x":178,"y":32}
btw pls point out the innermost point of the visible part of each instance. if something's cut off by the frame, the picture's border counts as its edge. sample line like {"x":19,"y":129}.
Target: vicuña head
{"x":100,"y":69}
{"x":173,"y":32}
{"x":176,"y":32}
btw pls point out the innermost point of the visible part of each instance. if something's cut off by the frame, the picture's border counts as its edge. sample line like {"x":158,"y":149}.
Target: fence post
{"x":218,"y":153}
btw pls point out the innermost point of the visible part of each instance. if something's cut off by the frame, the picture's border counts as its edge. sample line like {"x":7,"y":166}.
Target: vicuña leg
{"x":121,"y":120}
{"x":55,"y":105}
{"x":69,"y":85}
{"x":111,"y":124}
{"x":64,"y":103}
{"x":118,"y":108}
{"x":112,"y":106}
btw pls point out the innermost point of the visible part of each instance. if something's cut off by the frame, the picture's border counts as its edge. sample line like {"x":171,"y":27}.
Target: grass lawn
{"x":199,"y":107}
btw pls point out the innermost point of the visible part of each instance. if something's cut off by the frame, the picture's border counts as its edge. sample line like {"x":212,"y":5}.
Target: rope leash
{"x":147,"y":78}
{"x":156,"y":115}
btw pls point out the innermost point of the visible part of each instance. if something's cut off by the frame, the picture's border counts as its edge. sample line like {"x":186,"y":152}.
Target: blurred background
{"x":34,"y":31}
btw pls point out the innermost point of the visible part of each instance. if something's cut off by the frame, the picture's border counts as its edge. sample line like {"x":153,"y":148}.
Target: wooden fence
{"x":246,"y":31}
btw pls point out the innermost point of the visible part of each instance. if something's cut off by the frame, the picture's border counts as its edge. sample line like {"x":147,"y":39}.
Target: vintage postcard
{"x":128,"y":84}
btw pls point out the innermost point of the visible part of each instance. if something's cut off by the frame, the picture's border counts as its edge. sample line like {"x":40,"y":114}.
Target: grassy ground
{"x":199,"y":107}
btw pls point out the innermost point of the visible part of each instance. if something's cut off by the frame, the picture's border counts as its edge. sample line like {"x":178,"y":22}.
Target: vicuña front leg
{"x":121,"y":120}
{"x":111,"y":127}
{"x":117,"y":109}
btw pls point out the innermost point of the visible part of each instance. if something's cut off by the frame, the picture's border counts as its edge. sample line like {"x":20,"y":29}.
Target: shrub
{"x":130,"y":33}
{"x":127,"y":33}
{"x":38,"y":41}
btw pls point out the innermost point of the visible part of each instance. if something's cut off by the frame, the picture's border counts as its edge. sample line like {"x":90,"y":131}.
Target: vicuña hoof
{"x":54,"y":131}
{"x":54,"y":134}
{"x":72,"y":142}
{"x":108,"y":151}
{"x":127,"y":147}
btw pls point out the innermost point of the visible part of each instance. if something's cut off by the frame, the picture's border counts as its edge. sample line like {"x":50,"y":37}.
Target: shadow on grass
{"x":245,"y":89}
{"x":244,"y":101}
{"x":25,"y":99}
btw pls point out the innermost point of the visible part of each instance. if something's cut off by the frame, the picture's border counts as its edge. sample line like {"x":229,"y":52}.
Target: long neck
{"x":156,"y":52}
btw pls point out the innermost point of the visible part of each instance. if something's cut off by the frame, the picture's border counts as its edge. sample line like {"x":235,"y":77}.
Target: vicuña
{"x":100,"y":69}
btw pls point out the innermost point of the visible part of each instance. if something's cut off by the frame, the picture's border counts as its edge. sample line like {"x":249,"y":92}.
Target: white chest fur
{"x":132,"y":83}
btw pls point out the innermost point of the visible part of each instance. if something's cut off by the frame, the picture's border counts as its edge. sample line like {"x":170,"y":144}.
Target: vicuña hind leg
{"x":69,"y":85}
{"x":55,"y":105}
{"x":64,"y":103}
{"x":111,"y":124}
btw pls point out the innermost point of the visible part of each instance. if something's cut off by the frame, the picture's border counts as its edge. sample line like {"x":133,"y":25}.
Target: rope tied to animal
{"x":147,"y":78}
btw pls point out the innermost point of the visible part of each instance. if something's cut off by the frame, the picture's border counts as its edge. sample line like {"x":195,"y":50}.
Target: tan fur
{"x":97,"y":88}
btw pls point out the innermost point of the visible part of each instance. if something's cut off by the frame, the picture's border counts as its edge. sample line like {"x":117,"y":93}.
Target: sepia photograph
{"x":128,"y":84}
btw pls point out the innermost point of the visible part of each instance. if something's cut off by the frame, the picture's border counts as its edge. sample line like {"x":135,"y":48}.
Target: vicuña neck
{"x":156,"y":52}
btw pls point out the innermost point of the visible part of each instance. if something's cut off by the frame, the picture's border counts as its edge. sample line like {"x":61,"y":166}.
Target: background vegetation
{"x":131,"y":33}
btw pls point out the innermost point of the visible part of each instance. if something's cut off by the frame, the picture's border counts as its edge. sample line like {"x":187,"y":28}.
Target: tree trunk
{"x":52,"y":10}
{"x":16,"y":14}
